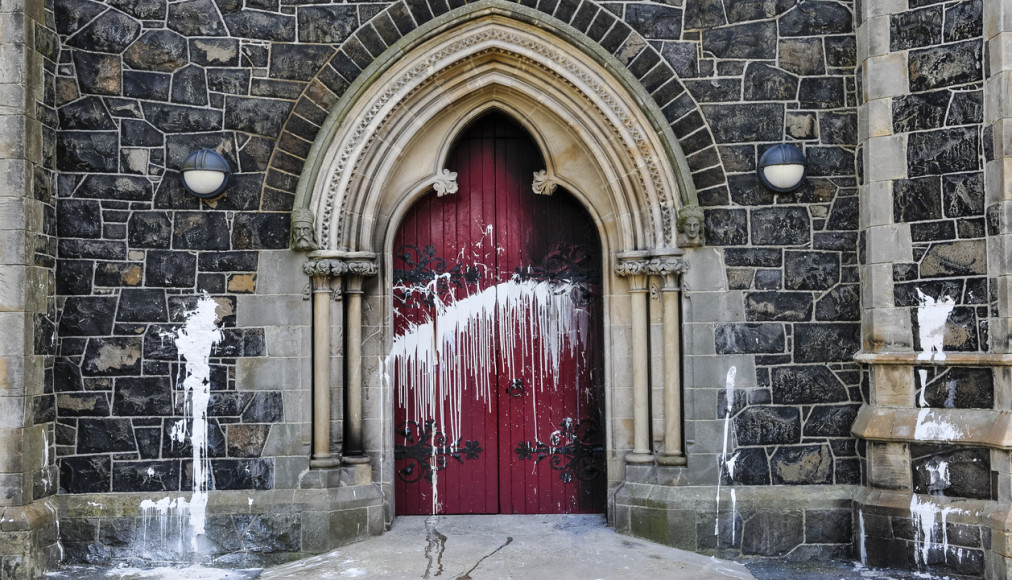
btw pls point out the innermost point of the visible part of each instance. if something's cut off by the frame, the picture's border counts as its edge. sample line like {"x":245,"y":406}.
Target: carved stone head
{"x":690,"y":226}
{"x":303,"y":230}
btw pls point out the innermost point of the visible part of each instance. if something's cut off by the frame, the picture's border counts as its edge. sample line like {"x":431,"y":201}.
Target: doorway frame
{"x":384,"y":145}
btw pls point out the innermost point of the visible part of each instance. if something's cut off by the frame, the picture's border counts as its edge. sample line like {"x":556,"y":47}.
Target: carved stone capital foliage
{"x":362,"y":268}
{"x":667,"y":266}
{"x":327,"y":268}
{"x":445,"y":183}
{"x":628,"y":268}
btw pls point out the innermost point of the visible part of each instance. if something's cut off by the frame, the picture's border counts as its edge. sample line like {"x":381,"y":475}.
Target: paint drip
{"x":518,"y":320}
{"x":726,"y":464}
{"x":863,"y":538}
{"x":929,"y":518}
{"x":194,"y":343}
{"x":931,"y":318}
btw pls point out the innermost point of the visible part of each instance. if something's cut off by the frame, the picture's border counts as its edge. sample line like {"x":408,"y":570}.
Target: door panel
{"x":496,"y":360}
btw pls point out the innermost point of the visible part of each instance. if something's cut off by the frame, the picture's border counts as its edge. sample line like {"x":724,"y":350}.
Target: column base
{"x":639,"y":457}
{"x":325,"y":462}
{"x":671,"y":459}
{"x":355,"y":459}
{"x":356,"y":474}
{"x":29,"y":546}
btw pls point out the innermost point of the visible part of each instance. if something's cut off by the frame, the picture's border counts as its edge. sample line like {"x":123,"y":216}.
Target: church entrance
{"x":496,"y":358}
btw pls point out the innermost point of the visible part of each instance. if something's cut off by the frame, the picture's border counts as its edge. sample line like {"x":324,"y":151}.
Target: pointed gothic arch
{"x":602,"y":138}
{"x":437,"y":75}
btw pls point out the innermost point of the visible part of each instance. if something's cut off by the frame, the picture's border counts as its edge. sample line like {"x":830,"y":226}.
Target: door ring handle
{"x":516,"y":388}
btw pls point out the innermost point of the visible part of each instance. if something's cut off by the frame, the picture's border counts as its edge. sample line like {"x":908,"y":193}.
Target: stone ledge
{"x":109,"y":505}
{"x":690,"y":497}
{"x":950,"y":359}
{"x":981,"y":427}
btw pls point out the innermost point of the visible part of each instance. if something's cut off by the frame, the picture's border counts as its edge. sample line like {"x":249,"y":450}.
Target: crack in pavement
{"x":467,"y":575}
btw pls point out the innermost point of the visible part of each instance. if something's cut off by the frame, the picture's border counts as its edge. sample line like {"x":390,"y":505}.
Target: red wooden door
{"x":496,"y":358}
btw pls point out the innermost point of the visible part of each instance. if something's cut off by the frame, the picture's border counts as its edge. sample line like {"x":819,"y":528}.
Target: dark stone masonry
{"x":823,"y":305}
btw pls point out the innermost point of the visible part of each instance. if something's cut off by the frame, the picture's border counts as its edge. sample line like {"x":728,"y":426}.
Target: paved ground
{"x":503,"y":547}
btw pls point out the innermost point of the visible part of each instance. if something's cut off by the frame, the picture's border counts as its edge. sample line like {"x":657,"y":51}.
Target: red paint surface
{"x":493,"y":233}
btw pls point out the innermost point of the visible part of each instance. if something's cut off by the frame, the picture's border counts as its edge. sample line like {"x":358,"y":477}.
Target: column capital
{"x":363,"y":268}
{"x":325,"y":268}
{"x":630,"y":268}
{"x":670,"y":269}
{"x":633,"y":265}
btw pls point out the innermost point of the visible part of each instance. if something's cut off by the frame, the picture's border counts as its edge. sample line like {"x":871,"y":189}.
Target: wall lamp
{"x":205,"y":173}
{"x":782,"y":167}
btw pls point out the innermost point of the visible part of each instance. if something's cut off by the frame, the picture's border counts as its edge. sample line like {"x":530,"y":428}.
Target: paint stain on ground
{"x":436,"y":545}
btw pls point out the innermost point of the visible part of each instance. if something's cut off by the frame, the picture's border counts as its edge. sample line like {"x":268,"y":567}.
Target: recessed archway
{"x":387,"y":146}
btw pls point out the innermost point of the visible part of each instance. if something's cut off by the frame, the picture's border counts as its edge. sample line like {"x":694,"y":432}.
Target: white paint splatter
{"x":950,"y":397}
{"x":730,"y":464}
{"x":47,"y":481}
{"x":56,"y":521}
{"x":862,"y":537}
{"x":734,"y":515}
{"x":928,"y":517}
{"x":194,"y":342}
{"x":938,"y":475}
{"x":160,"y":573}
{"x":931,"y":426}
{"x":729,"y":401}
{"x":518,"y":320}
{"x":931,"y":317}
{"x":178,"y":431}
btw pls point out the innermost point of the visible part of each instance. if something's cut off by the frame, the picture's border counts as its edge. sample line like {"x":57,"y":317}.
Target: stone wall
{"x":931,"y":428}
{"x":772,"y":303}
{"x":142,"y":83}
{"x":893,"y":208}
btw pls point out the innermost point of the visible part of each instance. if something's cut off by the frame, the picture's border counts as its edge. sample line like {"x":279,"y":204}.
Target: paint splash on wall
{"x":931,"y":318}
{"x":933,"y":427}
{"x":726,"y":463}
{"x":862,"y":539}
{"x":930,"y":520}
{"x":194,"y":342}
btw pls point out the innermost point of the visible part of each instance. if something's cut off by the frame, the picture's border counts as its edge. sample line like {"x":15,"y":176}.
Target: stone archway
{"x":386,"y":144}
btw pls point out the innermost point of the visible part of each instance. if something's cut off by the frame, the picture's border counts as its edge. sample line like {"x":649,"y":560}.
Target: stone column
{"x":998,"y":174}
{"x":29,"y":475}
{"x":997,"y":28}
{"x":670,"y":269}
{"x":633,"y":265}
{"x":325,"y":276}
{"x":357,"y":272}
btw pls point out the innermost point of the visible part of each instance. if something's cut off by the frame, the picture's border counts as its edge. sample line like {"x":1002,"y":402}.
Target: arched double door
{"x":496,"y":356}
